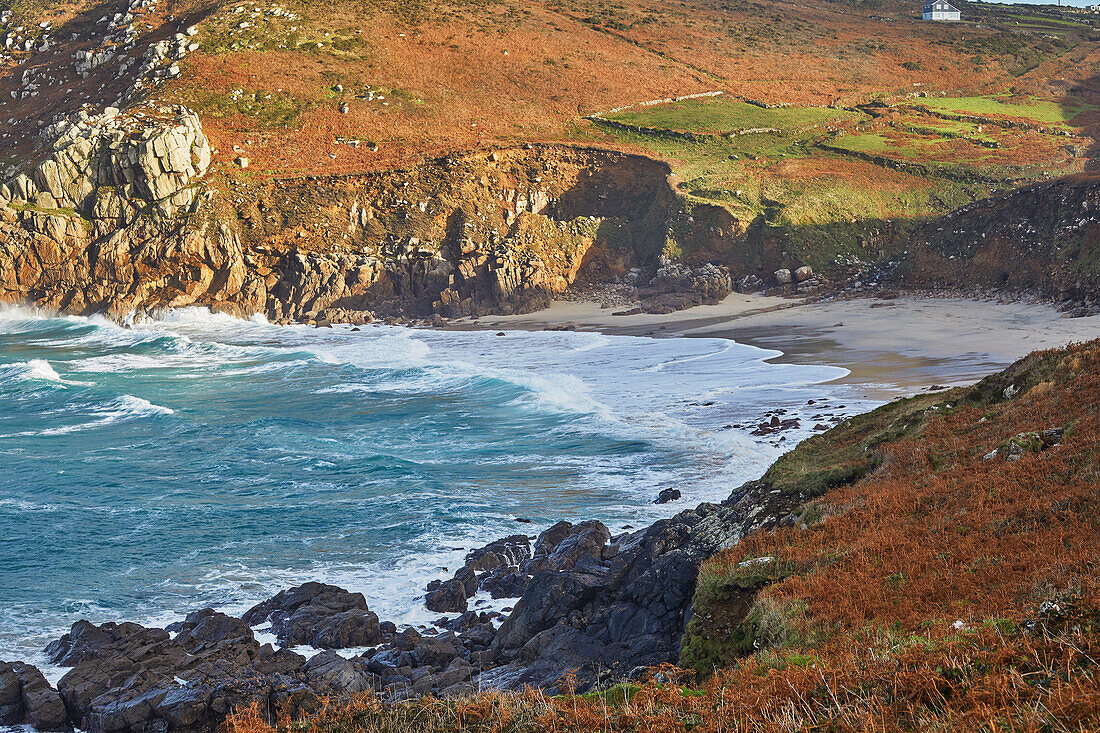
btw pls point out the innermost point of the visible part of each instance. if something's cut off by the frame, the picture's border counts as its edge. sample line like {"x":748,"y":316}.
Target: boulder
{"x":783,"y":276}
{"x":187,"y":683}
{"x":86,"y":641}
{"x":448,"y":596}
{"x":504,"y":583}
{"x":508,"y":551}
{"x":437,"y":651}
{"x":329,"y":671}
{"x":564,"y":545}
{"x":320,"y":615}
{"x":211,"y":626}
{"x":803,"y":273}
{"x":667,"y":495}
{"x":27,"y":699}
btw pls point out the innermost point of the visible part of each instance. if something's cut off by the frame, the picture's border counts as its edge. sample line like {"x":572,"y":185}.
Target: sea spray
{"x":204,"y":460}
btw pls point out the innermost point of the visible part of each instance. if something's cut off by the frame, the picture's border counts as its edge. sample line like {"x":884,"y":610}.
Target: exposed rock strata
{"x":116,"y":217}
{"x":1041,"y":238}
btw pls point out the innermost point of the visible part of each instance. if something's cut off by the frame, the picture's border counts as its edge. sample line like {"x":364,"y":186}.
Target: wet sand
{"x":890,"y":346}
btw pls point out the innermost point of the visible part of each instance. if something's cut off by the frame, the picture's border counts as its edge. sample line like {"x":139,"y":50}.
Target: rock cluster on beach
{"x":597,"y":605}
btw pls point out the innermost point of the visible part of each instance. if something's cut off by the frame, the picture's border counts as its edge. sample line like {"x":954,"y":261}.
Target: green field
{"x":1038,"y":20}
{"x":919,"y":150}
{"x":1043,"y":111}
{"x":718,"y":115}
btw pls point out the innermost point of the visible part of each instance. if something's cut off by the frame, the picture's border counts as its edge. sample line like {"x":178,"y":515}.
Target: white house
{"x":941,"y":10}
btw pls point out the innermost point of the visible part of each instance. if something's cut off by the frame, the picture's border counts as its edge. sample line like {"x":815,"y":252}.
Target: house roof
{"x":940,"y":5}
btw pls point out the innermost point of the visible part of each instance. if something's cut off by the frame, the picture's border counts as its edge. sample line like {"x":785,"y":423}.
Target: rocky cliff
{"x":1043,"y":238}
{"x":116,"y":217}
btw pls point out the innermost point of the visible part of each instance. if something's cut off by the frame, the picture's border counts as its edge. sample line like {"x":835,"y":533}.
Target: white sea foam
{"x":20,"y":505}
{"x":35,"y":370}
{"x":137,"y":407}
{"x":125,"y":407}
{"x":563,"y":392}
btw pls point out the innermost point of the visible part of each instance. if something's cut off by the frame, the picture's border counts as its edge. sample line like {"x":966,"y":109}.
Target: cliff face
{"x":1043,"y":238}
{"x":116,"y":217}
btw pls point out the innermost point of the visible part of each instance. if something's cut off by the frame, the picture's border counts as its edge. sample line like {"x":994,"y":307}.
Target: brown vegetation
{"x":950,"y":589}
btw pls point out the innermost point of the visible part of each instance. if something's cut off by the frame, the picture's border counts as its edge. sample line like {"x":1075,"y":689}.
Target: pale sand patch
{"x":891,"y":346}
{"x":589,"y":316}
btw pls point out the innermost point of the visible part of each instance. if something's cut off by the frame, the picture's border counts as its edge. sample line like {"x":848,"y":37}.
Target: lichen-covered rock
{"x":154,"y":163}
{"x":448,"y":596}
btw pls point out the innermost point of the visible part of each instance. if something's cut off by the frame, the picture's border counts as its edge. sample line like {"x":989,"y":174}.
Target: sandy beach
{"x":890,"y":345}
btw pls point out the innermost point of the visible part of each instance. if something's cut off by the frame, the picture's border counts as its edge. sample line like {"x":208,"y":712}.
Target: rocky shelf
{"x":599,"y":606}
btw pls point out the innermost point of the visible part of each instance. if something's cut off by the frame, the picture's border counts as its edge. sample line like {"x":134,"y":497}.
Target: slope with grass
{"x":941,"y":575}
{"x":830,"y":130}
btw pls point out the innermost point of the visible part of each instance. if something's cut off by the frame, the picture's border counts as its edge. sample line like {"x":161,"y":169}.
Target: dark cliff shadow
{"x":1081,"y":108}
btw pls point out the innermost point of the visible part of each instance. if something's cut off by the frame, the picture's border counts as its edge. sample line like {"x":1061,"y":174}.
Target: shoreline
{"x":642,"y":492}
{"x":893,"y":343}
{"x":890,"y":345}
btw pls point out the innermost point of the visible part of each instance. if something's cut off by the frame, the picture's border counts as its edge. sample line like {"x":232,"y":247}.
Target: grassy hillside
{"x":944,"y":579}
{"x":841,"y":124}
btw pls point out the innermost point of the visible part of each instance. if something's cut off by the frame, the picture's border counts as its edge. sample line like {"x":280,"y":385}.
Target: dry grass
{"x":946,"y":591}
{"x":986,"y":679}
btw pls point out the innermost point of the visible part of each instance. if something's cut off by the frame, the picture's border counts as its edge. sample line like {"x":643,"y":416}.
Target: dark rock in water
{"x":498,"y":564}
{"x":468,"y":578}
{"x":86,"y":641}
{"x":447,"y":597}
{"x":290,"y":600}
{"x":358,"y":627}
{"x":602,"y":618}
{"x":508,"y":551}
{"x":667,"y":495}
{"x":323,"y":616}
{"x":563,"y":545}
{"x":27,"y":699}
{"x":523,"y":520}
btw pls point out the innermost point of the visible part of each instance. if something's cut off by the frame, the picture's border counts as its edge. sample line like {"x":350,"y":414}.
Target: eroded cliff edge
{"x":118,"y":216}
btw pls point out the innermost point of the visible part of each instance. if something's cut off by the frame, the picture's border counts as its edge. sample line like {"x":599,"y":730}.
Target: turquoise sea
{"x":204,"y":460}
